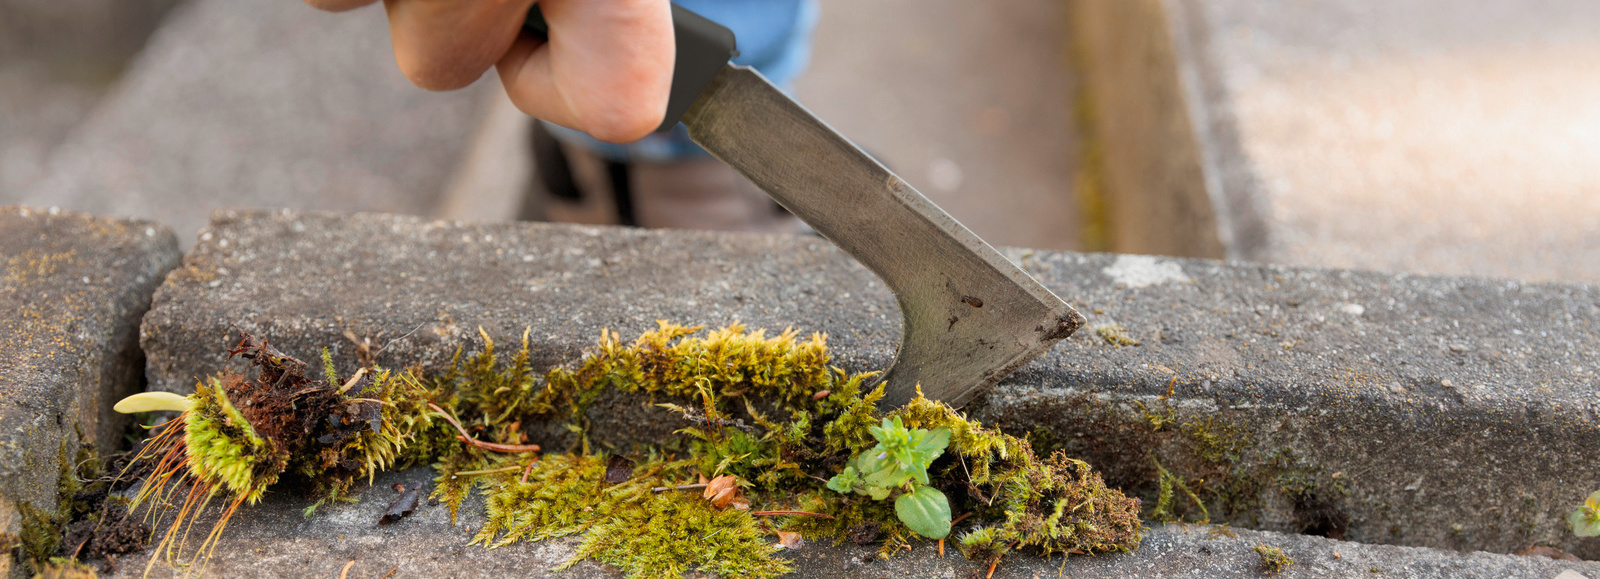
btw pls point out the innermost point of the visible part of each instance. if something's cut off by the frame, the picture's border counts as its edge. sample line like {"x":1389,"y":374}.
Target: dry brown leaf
{"x":790,"y":540}
{"x":722,"y":490}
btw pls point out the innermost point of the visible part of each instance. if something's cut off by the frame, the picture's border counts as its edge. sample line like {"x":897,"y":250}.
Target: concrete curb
{"x":274,"y":540}
{"x":1431,"y":411}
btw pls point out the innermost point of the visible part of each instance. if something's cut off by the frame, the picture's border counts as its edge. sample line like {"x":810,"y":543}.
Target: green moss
{"x":40,"y":534}
{"x":1210,"y":466}
{"x":646,"y":533}
{"x":815,"y":417}
{"x":1273,"y":559}
{"x":224,"y":450}
{"x":65,"y":568}
{"x":769,"y":410}
{"x":1114,"y":335}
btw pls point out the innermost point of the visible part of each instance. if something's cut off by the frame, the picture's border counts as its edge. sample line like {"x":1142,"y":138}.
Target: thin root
{"x":790,"y":513}
{"x":489,"y":446}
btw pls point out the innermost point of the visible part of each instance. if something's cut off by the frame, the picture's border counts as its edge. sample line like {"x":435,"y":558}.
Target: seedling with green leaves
{"x":899,"y":462}
{"x":1586,"y":520}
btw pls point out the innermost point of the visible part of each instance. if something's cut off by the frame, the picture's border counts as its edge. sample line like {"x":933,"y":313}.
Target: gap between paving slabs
{"x":1409,"y":405}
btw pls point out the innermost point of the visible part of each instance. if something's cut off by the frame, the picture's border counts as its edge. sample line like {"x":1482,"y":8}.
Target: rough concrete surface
{"x":72,"y":290}
{"x":969,"y":102}
{"x":274,"y":540}
{"x":261,"y":103}
{"x":1427,"y":136}
{"x":1433,"y":411}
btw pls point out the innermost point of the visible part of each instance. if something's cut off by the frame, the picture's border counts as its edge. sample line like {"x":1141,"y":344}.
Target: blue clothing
{"x":774,"y":36}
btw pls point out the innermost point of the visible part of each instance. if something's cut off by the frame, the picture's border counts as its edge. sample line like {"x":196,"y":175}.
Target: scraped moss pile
{"x":770,"y":411}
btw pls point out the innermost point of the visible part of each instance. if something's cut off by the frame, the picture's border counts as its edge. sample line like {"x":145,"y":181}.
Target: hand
{"x":606,"y":69}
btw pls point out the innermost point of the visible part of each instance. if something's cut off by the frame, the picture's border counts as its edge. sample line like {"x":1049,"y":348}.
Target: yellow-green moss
{"x":1215,"y":466}
{"x":1114,"y":335}
{"x":798,"y":418}
{"x":770,"y":410}
{"x":1273,"y":559}
{"x":224,"y":450}
{"x":648,"y":534}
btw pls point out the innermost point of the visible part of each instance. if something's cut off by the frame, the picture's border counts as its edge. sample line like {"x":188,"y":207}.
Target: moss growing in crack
{"x":772,"y":412}
{"x":1211,"y":466}
{"x":769,"y":411}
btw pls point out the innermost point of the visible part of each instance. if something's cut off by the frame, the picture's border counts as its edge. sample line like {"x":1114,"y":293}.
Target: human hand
{"x":606,"y":69}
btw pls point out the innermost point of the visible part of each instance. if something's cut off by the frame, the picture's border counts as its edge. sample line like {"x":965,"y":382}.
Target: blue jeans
{"x":774,"y":36}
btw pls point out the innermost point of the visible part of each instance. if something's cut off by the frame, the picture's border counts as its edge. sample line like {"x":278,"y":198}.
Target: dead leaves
{"x":723,"y":492}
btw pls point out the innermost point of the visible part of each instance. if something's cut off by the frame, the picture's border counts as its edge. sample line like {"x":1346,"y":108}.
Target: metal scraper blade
{"x":971,"y":316}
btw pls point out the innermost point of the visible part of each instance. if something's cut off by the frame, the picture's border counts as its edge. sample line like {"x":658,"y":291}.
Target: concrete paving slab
{"x":969,"y":102}
{"x":1387,"y":408}
{"x":261,"y":103}
{"x":72,"y":291}
{"x":274,"y":540}
{"x":1424,"y":136}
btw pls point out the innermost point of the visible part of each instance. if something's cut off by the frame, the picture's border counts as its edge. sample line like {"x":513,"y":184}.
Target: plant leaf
{"x":935,"y":442}
{"x":153,"y":401}
{"x":1586,"y":520}
{"x":845,"y":481}
{"x":925,"y":511}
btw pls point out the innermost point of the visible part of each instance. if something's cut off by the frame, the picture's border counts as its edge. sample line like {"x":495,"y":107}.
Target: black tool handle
{"x":704,"y":47}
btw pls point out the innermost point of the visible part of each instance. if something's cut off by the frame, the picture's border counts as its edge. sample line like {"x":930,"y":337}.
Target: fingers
{"x":338,"y":5}
{"x":447,"y":44}
{"x":606,"y":69}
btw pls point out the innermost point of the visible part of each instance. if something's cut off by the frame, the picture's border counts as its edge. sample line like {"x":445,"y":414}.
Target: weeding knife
{"x":971,"y":317}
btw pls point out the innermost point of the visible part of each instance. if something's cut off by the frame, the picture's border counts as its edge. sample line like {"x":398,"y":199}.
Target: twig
{"x":391,"y":342}
{"x":679,"y":488}
{"x":345,"y":572}
{"x":353,"y":379}
{"x":497,"y":447}
{"x":941,"y":547}
{"x":789,"y":513}
{"x":490,"y":446}
{"x":992,"y":565}
{"x":963,"y":517}
{"x":525,"y":471}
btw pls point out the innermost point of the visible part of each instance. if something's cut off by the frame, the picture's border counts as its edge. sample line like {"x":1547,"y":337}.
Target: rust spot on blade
{"x":1064,"y":326}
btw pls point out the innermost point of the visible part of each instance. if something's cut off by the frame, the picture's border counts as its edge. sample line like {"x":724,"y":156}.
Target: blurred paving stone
{"x":274,"y":540}
{"x":1427,"y":136}
{"x":72,"y":291}
{"x":1433,"y":411}
{"x":76,"y":32}
{"x":265,"y":103}
{"x":971,"y":102}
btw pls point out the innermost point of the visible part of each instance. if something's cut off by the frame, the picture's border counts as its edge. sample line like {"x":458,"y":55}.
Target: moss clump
{"x":1273,"y":559}
{"x":1114,"y":335}
{"x":224,"y":451}
{"x":769,"y":411}
{"x":1050,"y":506}
{"x":1199,"y":468}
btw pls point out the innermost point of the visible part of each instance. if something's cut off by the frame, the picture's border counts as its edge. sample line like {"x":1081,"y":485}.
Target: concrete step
{"x":72,"y":291}
{"x":1426,"y":136}
{"x":274,"y":540}
{"x":262,"y":103}
{"x":1444,"y":412}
